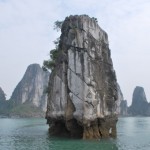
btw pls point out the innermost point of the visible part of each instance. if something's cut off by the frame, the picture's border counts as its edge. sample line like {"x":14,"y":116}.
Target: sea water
{"x":133,"y":133}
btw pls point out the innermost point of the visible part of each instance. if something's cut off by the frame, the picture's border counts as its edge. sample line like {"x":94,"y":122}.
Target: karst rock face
{"x":123,"y":108}
{"x":120,"y":99}
{"x":82,"y":87}
{"x":140,"y":105}
{"x":31,"y":88}
{"x":2,"y":95}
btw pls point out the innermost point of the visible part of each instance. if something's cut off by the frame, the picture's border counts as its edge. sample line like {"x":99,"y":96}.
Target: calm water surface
{"x":32,"y":134}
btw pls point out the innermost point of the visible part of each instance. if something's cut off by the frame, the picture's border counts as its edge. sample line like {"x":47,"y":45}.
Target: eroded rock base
{"x":101,"y":128}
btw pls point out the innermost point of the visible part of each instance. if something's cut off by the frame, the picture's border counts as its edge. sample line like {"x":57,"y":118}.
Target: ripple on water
{"x":32,"y":134}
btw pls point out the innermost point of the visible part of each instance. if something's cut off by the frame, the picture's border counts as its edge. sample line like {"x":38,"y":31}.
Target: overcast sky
{"x":27,"y":35}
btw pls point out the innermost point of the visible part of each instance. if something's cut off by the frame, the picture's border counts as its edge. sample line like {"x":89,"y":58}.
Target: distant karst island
{"x":140,"y":106}
{"x":29,"y":98}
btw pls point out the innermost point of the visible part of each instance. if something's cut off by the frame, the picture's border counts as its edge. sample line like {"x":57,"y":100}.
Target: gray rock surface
{"x":2,"y":95}
{"x":140,"y":105}
{"x":31,"y":88}
{"x":3,"y":103}
{"x":123,"y":108}
{"x":120,"y":99}
{"x":82,"y":87}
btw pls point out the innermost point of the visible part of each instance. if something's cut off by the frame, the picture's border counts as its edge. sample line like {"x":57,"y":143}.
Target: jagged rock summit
{"x":31,"y":88}
{"x":140,"y":105}
{"x":82,"y":87}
